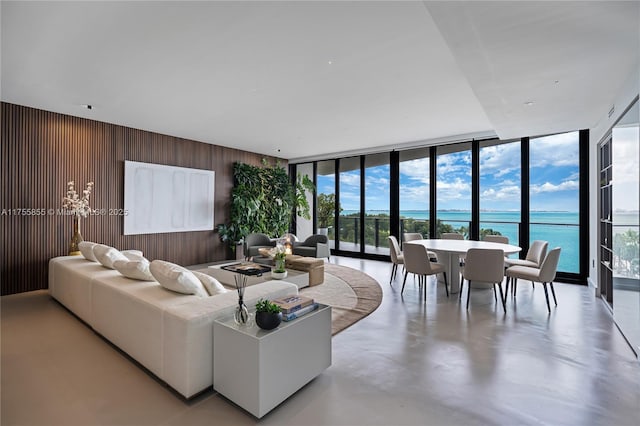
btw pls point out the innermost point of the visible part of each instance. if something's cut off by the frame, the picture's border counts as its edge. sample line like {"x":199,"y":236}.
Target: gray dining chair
{"x":397,"y":257}
{"x":496,"y":239}
{"x":413,"y":236}
{"x":484,"y":265}
{"x":417,"y":262}
{"x":451,"y":236}
{"x":535,"y":255}
{"x":545,"y":274}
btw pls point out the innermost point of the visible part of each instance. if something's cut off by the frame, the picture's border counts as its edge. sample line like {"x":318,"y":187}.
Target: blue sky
{"x":553,"y":178}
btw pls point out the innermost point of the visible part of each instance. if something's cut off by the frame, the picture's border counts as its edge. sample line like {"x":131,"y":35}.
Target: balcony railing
{"x":377,"y":229}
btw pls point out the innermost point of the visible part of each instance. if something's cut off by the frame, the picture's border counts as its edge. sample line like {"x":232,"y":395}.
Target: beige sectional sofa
{"x":170,"y":334}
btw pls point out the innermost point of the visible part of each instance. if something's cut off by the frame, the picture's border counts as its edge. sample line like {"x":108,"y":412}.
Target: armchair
{"x":254,"y":242}
{"x":315,"y":246}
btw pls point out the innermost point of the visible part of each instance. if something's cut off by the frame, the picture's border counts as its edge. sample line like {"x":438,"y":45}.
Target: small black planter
{"x":268,"y":320}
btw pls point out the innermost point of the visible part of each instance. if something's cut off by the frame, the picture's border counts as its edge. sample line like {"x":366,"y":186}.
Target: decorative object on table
{"x":243,"y":270}
{"x":292,"y":303}
{"x":300,"y":312}
{"x":241,"y":315}
{"x":278,"y":253}
{"x":268,"y":315}
{"x":287,"y":240}
{"x":78,"y":207}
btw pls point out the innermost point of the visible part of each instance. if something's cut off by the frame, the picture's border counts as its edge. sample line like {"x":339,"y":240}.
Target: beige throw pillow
{"x":176,"y":278}
{"x":212,"y":285}
{"x":135,"y":269}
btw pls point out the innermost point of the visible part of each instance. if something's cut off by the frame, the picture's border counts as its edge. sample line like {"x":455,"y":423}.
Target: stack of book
{"x":295,"y":306}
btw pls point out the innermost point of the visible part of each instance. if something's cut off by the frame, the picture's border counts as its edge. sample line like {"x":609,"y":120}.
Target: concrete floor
{"x":408,"y":363}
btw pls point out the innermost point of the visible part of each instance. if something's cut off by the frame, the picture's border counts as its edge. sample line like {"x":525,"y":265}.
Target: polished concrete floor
{"x":408,"y":363}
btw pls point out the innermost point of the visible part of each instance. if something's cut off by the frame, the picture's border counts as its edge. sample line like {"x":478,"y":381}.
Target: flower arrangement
{"x":278,"y":253}
{"x":77,"y":205}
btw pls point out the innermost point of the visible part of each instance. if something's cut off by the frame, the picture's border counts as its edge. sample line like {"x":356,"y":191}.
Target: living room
{"x":87,"y":86}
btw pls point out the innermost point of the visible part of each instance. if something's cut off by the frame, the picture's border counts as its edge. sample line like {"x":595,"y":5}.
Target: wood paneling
{"x":41,"y":151}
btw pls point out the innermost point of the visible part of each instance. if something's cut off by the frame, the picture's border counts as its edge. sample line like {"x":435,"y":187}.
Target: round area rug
{"x":352,"y":295}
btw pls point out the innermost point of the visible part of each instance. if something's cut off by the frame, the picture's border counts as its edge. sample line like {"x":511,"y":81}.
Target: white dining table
{"x":449,"y":252}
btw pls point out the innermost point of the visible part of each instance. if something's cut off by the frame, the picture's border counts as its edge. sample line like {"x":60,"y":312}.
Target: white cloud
{"x":555,"y":150}
{"x":567,"y":185}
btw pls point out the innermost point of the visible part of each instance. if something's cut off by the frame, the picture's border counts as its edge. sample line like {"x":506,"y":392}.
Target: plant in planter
{"x":268,"y":314}
{"x":264,"y":200}
{"x":278,"y":254}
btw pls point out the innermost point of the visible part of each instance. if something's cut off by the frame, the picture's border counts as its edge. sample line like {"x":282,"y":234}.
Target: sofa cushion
{"x":86,"y":248}
{"x":211,"y":284}
{"x":135,"y":269}
{"x":106,"y":255}
{"x":176,"y":278}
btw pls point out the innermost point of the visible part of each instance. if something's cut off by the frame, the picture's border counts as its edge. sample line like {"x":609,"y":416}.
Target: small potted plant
{"x":268,"y":314}
{"x":279,"y":255}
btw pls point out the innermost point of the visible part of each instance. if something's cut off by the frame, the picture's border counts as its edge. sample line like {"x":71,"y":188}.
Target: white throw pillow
{"x":133,"y":254}
{"x":86,"y":248}
{"x":135,"y":269}
{"x":176,"y":278}
{"x":212,"y":285}
{"x":107,"y":255}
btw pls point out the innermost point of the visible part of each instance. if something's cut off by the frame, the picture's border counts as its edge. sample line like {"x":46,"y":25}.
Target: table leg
{"x":451,"y":262}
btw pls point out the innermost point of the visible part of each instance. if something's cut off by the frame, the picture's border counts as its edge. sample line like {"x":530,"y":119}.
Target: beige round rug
{"x":352,"y":295}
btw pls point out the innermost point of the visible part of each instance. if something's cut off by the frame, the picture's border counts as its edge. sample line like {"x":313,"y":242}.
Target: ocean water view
{"x":561,"y":229}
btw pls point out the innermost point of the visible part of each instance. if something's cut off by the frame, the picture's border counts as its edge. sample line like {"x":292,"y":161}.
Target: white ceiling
{"x":311,"y":79}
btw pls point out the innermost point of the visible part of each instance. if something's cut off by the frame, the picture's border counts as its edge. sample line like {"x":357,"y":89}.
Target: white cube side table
{"x":259,"y":369}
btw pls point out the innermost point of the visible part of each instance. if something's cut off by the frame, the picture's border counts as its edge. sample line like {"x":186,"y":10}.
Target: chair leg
{"x":514,"y":284}
{"x":446,"y":286}
{"x":468,"y":292}
{"x":461,"y":288}
{"x":553,"y":292}
{"x":502,"y":297}
{"x":546,"y":295}
{"x":424,"y":288}
{"x":393,"y":271}
{"x":404,"y":281}
{"x":494,"y":294}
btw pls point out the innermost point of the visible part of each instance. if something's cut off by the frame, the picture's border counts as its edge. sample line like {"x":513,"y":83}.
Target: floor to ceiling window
{"x":554,"y":194}
{"x":349,"y":219}
{"x":377,"y":180}
{"x":414,"y":191}
{"x":453,"y":188}
{"x":326,"y":199}
{"x":473,"y":188}
{"x":500,"y":189}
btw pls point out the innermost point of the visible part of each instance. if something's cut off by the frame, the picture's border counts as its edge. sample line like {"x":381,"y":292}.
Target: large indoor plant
{"x":264,"y":200}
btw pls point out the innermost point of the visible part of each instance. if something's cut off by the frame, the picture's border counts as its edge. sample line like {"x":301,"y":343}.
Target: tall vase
{"x":74,"y":250}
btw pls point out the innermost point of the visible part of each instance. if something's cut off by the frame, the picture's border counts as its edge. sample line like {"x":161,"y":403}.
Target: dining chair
{"x":496,"y":239}
{"x":413,"y":236}
{"x":451,"y":236}
{"x":417,"y":262}
{"x":484,"y":265}
{"x":397,"y":257}
{"x":535,"y":255}
{"x":545,"y":274}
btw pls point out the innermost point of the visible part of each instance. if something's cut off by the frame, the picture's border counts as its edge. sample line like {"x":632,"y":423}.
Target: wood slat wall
{"x":41,"y":151}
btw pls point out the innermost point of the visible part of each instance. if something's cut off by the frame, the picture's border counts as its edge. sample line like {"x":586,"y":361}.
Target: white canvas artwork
{"x":159,"y":199}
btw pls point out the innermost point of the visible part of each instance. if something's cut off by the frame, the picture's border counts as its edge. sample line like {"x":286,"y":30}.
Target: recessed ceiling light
{"x":528,"y":103}
{"x":330,"y":62}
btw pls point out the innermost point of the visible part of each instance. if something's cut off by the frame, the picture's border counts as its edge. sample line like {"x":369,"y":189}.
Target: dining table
{"x":450,"y":251}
